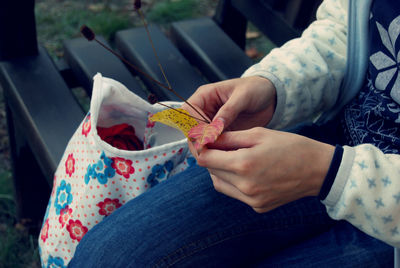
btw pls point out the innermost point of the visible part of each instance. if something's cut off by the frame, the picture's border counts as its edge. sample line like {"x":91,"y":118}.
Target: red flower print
{"x":108,"y":206}
{"x":45,"y":231}
{"x":150,"y":124}
{"x":123,"y":166}
{"x":70,"y":165}
{"x":64,"y":215}
{"x":76,"y":229}
{"x":86,"y":126}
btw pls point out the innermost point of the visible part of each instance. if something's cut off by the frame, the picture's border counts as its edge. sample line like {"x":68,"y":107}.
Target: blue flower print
{"x":101,"y":171}
{"x":89,"y":173}
{"x":191,"y":161}
{"x":63,"y":196}
{"x":156,"y":172}
{"x":152,"y":180}
{"x":169,"y":165}
{"x":159,"y":172}
{"x":55,"y":262}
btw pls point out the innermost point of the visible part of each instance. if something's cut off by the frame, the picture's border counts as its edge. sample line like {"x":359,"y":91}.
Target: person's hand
{"x":242,"y":103}
{"x":266,"y":168}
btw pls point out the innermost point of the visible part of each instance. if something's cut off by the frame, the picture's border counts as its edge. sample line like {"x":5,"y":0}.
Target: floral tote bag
{"x":115,"y":155}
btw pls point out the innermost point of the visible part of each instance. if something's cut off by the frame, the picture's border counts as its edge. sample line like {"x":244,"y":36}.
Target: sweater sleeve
{"x":307,"y":71}
{"x":366,"y":192}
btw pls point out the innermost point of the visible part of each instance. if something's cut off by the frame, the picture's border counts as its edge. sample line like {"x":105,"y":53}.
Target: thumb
{"x":231,"y":110}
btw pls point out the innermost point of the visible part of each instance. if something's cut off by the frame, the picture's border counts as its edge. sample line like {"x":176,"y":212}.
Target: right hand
{"x":242,"y":103}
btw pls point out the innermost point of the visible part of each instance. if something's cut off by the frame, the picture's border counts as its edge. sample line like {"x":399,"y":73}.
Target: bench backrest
{"x":280,"y":20}
{"x":17,"y":29}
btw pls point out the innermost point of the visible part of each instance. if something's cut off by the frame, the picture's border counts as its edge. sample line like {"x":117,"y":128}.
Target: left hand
{"x":266,"y":168}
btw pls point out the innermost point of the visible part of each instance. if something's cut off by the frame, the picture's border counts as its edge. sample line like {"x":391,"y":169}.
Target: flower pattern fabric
{"x":123,"y":166}
{"x":101,"y":171}
{"x":55,"y":262}
{"x":76,"y":229}
{"x":95,"y":179}
{"x":65,"y":214}
{"x":64,"y":196}
{"x":86,"y":125}
{"x":160,"y":173}
{"x":108,"y":206}
{"x":70,"y":165}
{"x":45,"y":231}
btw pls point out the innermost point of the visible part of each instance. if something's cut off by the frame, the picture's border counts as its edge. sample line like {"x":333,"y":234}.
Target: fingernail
{"x":221,"y":119}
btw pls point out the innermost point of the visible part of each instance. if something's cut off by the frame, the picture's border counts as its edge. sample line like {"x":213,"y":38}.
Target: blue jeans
{"x":184,"y":222}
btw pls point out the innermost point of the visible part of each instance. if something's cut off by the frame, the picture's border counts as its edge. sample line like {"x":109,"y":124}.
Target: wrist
{"x":320,"y":165}
{"x":270,"y":88}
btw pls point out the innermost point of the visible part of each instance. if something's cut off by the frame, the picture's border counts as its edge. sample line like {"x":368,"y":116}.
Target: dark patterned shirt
{"x":374,"y":115}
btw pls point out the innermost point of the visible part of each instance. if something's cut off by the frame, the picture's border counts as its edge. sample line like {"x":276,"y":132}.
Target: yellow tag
{"x":179,"y":120}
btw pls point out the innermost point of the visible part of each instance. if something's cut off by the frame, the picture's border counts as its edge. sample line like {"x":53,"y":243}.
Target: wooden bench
{"x":42,"y":112}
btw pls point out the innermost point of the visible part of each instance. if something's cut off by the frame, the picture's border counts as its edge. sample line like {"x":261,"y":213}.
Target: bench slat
{"x":135,"y":47}
{"x":208,"y":47}
{"x":88,"y":58}
{"x":39,"y":98}
{"x":267,"y":20}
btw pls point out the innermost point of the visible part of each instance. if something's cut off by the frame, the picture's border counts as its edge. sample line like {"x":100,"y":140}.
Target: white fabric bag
{"x":94,"y":178}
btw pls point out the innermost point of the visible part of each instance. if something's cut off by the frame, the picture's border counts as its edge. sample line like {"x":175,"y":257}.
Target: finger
{"x":196,"y":111}
{"x":229,"y":184}
{"x":228,"y":189}
{"x":228,"y":176}
{"x":193,"y":150}
{"x":233,"y":149}
{"x":233,"y":140}
{"x":218,"y":159}
{"x":197,"y":99}
{"x":206,"y":99}
{"x":231,"y":190}
{"x":231,"y":109}
{"x":266,"y":208}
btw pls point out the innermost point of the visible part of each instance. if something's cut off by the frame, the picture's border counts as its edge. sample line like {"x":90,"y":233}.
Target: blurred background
{"x":58,"y":20}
